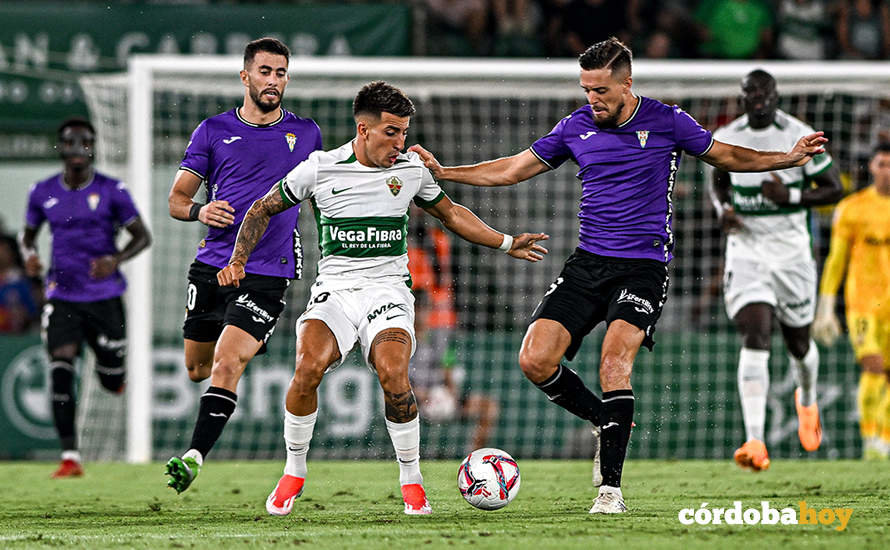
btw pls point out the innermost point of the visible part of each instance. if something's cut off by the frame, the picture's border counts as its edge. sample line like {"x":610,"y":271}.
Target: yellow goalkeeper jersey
{"x":860,"y":244}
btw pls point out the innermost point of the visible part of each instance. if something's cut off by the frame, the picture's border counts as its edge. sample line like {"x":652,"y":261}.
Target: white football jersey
{"x":772,"y":232}
{"x":361,"y":213}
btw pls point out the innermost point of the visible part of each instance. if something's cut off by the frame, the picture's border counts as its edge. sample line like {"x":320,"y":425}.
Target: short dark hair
{"x":881,"y":147}
{"x":609,"y":54}
{"x":75,"y":122}
{"x":378,"y":97}
{"x":266,"y":44}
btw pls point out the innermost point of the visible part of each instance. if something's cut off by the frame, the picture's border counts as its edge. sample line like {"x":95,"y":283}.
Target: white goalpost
{"x":468,"y":110}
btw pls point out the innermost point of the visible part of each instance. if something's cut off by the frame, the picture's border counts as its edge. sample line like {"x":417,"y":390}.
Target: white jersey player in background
{"x":770,"y":270}
{"x":361,"y":193}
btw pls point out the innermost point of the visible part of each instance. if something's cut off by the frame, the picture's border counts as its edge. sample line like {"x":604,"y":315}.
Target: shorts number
{"x":191,"y":297}
{"x":553,"y":286}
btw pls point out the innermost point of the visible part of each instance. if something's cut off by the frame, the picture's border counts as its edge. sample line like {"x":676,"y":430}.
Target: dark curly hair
{"x":378,"y":97}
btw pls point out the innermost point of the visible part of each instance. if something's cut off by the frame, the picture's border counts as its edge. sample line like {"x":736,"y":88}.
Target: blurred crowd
{"x":714,"y":29}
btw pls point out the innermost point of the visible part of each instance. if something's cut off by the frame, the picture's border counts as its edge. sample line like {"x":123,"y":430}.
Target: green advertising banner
{"x":26,"y":422}
{"x":45,"y":46}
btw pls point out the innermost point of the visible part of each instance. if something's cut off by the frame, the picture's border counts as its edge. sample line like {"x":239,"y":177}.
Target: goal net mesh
{"x":687,"y":403}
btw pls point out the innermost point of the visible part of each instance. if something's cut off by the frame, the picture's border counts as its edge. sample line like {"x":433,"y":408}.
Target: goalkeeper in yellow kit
{"x":860,"y":245}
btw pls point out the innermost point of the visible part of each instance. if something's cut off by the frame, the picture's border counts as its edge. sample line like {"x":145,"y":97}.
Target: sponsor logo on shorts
{"x":383,"y":309}
{"x":250,"y":305}
{"x":641,"y":305}
{"x":798,"y":305}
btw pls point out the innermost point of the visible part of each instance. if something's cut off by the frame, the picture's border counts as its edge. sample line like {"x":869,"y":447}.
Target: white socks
{"x":196,"y":454}
{"x":406,"y":441}
{"x":297,"y":434}
{"x":72,"y":455}
{"x":806,"y":372}
{"x":753,"y":379}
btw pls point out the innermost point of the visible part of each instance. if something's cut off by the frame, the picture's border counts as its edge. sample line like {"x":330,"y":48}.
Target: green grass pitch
{"x":357,"y":505}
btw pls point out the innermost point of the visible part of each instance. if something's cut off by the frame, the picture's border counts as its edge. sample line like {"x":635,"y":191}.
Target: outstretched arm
{"x":502,"y":171}
{"x":733,"y":158}
{"x":252,"y":228}
{"x":464,"y":223}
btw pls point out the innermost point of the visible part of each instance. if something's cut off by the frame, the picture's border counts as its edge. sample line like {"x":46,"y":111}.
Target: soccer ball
{"x":488,"y":479}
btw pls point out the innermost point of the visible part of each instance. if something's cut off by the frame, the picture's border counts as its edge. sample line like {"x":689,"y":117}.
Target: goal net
{"x":468,"y":111}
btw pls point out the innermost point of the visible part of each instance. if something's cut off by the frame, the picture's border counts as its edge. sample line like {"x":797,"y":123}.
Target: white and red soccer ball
{"x":488,"y":479}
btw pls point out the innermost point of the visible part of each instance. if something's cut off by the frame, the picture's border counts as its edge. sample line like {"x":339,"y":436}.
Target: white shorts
{"x":359,"y":314}
{"x":789,"y":289}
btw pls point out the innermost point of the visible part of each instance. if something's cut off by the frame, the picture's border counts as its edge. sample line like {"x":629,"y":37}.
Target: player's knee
{"x":535,"y":366}
{"x":112,"y":378}
{"x":615,"y":373}
{"x":61,"y":378}
{"x":228,"y":367}
{"x":394,"y":380}
{"x":756,"y":339}
{"x":197,"y":370}
{"x":308,"y":374}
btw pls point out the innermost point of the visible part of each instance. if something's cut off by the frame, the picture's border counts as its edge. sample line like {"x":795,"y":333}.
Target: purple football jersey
{"x":239,"y":162}
{"x":627,"y":175}
{"x":84,"y":223}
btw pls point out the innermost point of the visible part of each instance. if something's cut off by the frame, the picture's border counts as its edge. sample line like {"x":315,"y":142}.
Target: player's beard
{"x":265,"y":106}
{"x":612,"y":120}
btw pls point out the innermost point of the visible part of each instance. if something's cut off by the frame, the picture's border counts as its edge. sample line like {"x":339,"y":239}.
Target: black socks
{"x":217,"y":406}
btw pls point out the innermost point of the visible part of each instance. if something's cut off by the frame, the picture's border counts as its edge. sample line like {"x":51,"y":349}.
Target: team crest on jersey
{"x":643,"y":136}
{"x":291,"y":141}
{"x":93,"y":201}
{"x":395,"y":185}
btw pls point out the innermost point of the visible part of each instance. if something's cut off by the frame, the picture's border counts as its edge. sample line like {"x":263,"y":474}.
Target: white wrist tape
{"x":794,"y":195}
{"x":507,"y":244}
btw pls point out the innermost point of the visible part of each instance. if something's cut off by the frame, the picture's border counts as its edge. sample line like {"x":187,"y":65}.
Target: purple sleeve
{"x":552,"y":149}
{"x":34,"y":216}
{"x":197,"y":152}
{"x":123,"y":209}
{"x":689,"y":134}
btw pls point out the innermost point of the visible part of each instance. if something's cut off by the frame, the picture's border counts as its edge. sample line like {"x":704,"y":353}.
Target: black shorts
{"x":254,"y":306}
{"x":593,"y":288}
{"x":101,"y":324}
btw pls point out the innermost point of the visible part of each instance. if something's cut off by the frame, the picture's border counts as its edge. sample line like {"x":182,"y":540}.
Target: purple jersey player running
{"x":628,"y":150}
{"x":235,"y":155}
{"x":85,"y":210}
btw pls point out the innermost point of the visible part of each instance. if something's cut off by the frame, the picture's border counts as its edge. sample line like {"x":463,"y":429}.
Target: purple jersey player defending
{"x":84,"y":210}
{"x":235,"y":155}
{"x":627,"y":149}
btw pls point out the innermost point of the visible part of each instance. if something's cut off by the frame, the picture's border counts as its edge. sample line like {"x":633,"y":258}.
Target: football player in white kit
{"x":770,"y":270}
{"x":361,"y":193}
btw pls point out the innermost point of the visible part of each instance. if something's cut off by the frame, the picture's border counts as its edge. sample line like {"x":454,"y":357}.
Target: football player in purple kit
{"x":84,"y":209}
{"x":235,"y":155}
{"x":628,"y":150}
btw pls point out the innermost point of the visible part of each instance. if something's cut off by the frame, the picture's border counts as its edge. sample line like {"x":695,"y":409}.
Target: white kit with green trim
{"x":770,"y":231}
{"x":361,"y":212}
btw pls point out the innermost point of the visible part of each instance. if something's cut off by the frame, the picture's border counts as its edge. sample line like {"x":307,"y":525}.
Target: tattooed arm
{"x":252,"y":228}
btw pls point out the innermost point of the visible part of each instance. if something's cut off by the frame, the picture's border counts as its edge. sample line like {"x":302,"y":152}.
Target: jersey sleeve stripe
{"x":187,"y":169}
{"x":285,"y":193}
{"x":427,"y":204}
{"x":708,"y":148}
{"x":535,"y":153}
